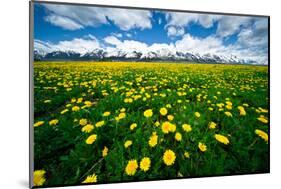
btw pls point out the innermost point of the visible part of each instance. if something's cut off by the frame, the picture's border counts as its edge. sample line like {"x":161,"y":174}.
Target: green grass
{"x":61,"y":150}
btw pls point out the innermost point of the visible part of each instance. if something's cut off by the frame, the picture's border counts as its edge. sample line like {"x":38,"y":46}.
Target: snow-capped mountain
{"x":121,"y":55}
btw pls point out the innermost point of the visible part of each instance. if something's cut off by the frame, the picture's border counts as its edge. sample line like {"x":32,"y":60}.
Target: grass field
{"x":109,"y":122}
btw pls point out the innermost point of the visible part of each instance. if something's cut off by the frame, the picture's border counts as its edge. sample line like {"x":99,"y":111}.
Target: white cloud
{"x":127,"y":47}
{"x":163,"y":49}
{"x":86,"y":16}
{"x":192,"y":44}
{"x":79,"y":45}
{"x":112,"y":40}
{"x":252,"y":41}
{"x":261,"y":24}
{"x":248,"y":39}
{"x":131,"y":45}
{"x":207,"y":21}
{"x":254,"y":50}
{"x":183,"y":19}
{"x":94,"y":16}
{"x":175,"y":31}
{"x":229,"y":25}
{"x":179,"y":19}
{"x":129,"y":19}
{"x":63,"y":22}
{"x":43,"y":47}
{"x":176,"y":21}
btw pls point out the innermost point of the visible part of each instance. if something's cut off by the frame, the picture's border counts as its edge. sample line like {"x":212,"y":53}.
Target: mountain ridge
{"x":100,"y":54}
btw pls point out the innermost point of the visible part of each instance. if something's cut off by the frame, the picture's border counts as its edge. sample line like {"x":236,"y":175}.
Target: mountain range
{"x":100,"y":54}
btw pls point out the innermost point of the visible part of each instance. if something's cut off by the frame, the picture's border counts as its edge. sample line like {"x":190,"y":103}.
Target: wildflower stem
{"x":100,"y":160}
{"x":253,"y":143}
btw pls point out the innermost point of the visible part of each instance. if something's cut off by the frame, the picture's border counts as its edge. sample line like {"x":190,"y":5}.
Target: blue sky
{"x":81,"y":28}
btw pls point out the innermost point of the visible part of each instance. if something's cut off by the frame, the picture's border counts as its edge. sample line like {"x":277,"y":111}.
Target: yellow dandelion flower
{"x":168,"y":106}
{"x":148,"y":113}
{"x":229,"y":103}
{"x":170,"y":117}
{"x":100,"y":123}
{"x":178,"y":136}
{"x":179,"y":101}
{"x":145,"y":164}
{"x":128,"y":100}
{"x":169,"y":157}
{"x":75,"y":108}
{"x":262,"y":110}
{"x":131,"y":167}
{"x":245,"y":104}
{"x":229,"y":107}
{"x":186,"y":154}
{"x":83,"y":122}
{"x":166,"y":127}
{"x":262,"y":134}
{"x":228,"y":114}
{"x":39,"y":177}
{"x":163,"y":111}
{"x":157,"y":123}
{"x":133,"y":126}
{"x":153,"y":140}
{"x":172,"y":128}
{"x":123,"y":110}
{"x":79,"y":100}
{"x":197,"y":114}
{"x":88,"y":103}
{"x":64,"y":111}
{"x":263,"y":119}
{"x":54,"y":122}
{"x":202,"y":147}
{"x":186,"y":127}
{"x":47,"y":101}
{"x":121,"y":115}
{"x":90,"y":179}
{"x":212,"y":125}
{"x":105,"y":114}
{"x":104,"y":151}
{"x":210,"y":108}
{"x":87,"y":128}
{"x":91,"y":139}
{"x":128,"y":143}
{"x":38,"y":123}
{"x":222,"y":139}
{"x":242,"y":110}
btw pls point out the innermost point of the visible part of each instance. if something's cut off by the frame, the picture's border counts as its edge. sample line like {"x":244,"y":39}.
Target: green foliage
{"x":183,"y":89}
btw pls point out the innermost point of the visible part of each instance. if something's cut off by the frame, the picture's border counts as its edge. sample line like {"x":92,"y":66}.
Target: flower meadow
{"x":102,"y":122}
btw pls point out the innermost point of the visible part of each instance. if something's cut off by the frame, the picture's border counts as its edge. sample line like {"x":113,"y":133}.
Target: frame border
{"x":31,"y":93}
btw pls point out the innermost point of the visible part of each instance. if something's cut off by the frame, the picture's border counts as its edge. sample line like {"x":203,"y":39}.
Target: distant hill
{"x":159,"y":55}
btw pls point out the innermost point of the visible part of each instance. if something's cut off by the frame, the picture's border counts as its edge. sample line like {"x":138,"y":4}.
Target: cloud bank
{"x":75,"y":17}
{"x":240,"y":36}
